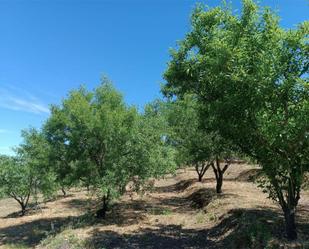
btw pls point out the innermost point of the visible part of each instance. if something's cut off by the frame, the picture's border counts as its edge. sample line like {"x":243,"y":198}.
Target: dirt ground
{"x":178,"y":212}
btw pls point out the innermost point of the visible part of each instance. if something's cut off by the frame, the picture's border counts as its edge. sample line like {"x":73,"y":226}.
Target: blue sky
{"x":50,"y":47}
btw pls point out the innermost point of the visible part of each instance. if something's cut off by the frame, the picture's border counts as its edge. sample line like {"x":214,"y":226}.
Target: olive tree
{"x":251,"y":77}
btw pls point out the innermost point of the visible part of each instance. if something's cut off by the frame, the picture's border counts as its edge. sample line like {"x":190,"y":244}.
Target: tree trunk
{"x":288,"y":202}
{"x":63,"y":191}
{"x":201,"y":170}
{"x":23,"y":209}
{"x":105,"y":206}
{"x":200,"y":177}
{"x":290,"y":226}
{"x":219,"y":174}
{"x":101,"y":213}
{"x":219,"y":183}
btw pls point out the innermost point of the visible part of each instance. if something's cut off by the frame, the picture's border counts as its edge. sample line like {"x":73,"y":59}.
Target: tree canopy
{"x":108,"y":142}
{"x":251,"y":77}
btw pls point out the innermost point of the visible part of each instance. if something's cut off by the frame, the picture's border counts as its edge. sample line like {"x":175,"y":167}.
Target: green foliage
{"x":28,"y":173}
{"x":105,"y":143}
{"x":34,"y":152}
{"x":16,"y":180}
{"x":251,"y":79}
{"x":194,"y":140}
{"x":59,"y":157}
{"x":66,"y":239}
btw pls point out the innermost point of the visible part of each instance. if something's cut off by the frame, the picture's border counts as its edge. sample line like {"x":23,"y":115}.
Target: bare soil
{"x":178,"y":212}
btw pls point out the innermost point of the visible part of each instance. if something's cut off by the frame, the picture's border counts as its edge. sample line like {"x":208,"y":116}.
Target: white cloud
{"x":20,"y":100}
{"x":4,"y":131}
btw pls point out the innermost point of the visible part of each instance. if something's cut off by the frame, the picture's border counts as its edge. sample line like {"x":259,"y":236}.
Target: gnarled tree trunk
{"x":63,"y":191}
{"x":288,"y":202}
{"x":290,"y":226}
{"x":22,"y":201}
{"x":201,"y":169}
{"x":219,"y":173}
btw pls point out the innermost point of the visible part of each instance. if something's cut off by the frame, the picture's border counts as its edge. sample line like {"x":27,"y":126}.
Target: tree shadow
{"x":199,"y":199}
{"x":162,"y":236}
{"x":32,"y":210}
{"x":120,"y":213}
{"x":177,"y":187}
{"x":253,"y":228}
{"x":57,"y":198}
{"x":239,"y":228}
{"x":177,"y":204}
{"x":125,"y":213}
{"x":249,"y":175}
{"x":81,"y":204}
{"x":31,"y":233}
{"x":202,"y":197}
{"x":35,"y":208}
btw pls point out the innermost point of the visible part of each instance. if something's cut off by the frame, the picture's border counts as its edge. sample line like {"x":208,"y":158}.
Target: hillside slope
{"x":178,"y":212}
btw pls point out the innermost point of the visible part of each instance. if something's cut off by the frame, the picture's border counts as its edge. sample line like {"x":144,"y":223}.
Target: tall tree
{"x":251,"y":77}
{"x":108,"y":141}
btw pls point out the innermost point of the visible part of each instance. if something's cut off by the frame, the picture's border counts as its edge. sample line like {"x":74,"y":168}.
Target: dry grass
{"x":179,"y":213}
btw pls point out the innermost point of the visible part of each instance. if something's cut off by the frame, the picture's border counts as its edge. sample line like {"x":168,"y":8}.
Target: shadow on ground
{"x":81,"y":204}
{"x":249,"y":175}
{"x":239,"y":228}
{"x":177,"y":187}
{"x":198,"y":199}
{"x":32,"y":210}
{"x":31,"y":233}
{"x":163,"y":236}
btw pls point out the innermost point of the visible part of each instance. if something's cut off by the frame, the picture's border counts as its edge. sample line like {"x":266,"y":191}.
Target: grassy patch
{"x":66,"y":239}
{"x":200,"y":217}
{"x":16,"y":246}
{"x":160,"y":211}
{"x":212,"y":217}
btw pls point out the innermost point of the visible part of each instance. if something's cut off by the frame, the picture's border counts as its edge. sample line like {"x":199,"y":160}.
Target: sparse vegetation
{"x":66,"y":239}
{"x":165,"y":215}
